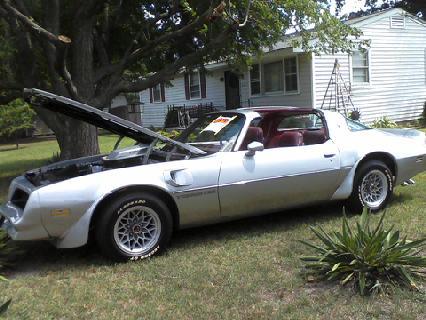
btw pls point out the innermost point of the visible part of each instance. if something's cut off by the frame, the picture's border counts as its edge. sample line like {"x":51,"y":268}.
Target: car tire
{"x":133,"y":227}
{"x":373,"y":187}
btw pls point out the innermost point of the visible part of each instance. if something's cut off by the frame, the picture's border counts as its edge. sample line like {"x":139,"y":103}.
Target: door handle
{"x":329,"y":155}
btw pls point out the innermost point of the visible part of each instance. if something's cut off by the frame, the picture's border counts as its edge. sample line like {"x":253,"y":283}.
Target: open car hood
{"x":99,"y":118}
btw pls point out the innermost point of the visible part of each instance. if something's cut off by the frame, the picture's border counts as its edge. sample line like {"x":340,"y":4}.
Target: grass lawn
{"x":248,"y":269}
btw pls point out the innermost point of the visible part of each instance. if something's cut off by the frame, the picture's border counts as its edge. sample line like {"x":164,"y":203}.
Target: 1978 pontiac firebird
{"x":225,"y":166}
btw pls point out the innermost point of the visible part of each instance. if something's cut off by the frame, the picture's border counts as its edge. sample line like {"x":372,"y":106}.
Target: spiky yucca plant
{"x":5,"y":251}
{"x":372,"y":258}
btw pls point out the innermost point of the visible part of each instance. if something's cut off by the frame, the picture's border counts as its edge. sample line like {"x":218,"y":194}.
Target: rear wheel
{"x":134,"y":226}
{"x":373,"y":187}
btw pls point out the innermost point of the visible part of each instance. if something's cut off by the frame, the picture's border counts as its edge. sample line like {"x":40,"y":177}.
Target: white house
{"x":389,"y":79}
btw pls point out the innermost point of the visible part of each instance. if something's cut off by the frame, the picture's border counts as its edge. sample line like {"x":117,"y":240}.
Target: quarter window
{"x":360,"y":66}
{"x":194,"y":85}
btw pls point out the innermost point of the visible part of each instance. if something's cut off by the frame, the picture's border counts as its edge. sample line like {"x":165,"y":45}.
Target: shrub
{"x":384,"y":123}
{"x":14,"y":119}
{"x":372,"y":259}
{"x":355,"y":114}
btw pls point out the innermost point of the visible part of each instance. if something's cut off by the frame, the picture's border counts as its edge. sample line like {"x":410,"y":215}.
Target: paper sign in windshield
{"x":218,"y":124}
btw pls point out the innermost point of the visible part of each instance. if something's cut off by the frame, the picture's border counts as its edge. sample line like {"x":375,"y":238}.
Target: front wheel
{"x":373,"y":187}
{"x":134,"y":226}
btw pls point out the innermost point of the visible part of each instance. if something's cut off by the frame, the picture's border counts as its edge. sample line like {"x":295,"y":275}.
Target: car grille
{"x":20,"y":198}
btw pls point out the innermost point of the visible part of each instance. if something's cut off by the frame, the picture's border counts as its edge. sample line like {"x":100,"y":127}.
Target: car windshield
{"x":214,"y":132}
{"x":355,"y":125}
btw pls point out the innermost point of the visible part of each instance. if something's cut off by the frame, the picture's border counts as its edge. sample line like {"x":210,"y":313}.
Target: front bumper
{"x":22,"y":223}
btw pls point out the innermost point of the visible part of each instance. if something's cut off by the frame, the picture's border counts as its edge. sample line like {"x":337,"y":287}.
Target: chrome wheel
{"x":137,"y":230}
{"x":374,"y":188}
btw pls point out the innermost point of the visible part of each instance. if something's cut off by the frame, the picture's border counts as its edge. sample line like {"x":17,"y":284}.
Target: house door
{"x":232,"y":90}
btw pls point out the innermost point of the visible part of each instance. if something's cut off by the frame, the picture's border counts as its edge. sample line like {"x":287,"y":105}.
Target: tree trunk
{"x":77,"y":139}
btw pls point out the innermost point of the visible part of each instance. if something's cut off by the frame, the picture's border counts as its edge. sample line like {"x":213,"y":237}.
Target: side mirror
{"x":253,"y":147}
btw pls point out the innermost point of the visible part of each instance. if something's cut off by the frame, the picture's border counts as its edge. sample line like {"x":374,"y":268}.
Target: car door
{"x":277,"y":178}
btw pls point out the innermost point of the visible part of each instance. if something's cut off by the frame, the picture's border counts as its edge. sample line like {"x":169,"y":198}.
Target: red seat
{"x":253,"y":134}
{"x":286,"y":139}
{"x":314,"y":136}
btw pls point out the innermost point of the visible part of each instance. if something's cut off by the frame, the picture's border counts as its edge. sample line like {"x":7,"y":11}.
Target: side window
{"x":306,"y":121}
{"x":298,"y":130}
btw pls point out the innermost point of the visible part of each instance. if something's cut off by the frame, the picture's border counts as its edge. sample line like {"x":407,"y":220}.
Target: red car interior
{"x":268,"y":133}
{"x":286,"y":139}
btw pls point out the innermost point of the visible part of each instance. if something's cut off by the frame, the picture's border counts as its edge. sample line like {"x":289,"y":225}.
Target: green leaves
{"x":14,"y":117}
{"x":384,"y":122}
{"x":5,"y":306}
{"x":3,"y":251}
{"x":371,"y":258}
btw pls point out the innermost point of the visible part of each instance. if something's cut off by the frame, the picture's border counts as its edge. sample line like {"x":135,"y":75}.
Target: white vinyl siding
{"x":396,"y":86}
{"x":287,"y":96}
{"x":154,"y":114}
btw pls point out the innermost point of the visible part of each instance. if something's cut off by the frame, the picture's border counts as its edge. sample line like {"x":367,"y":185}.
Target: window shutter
{"x":163,"y":92}
{"x":150,"y":95}
{"x":187,"y":86}
{"x":203,"y":84}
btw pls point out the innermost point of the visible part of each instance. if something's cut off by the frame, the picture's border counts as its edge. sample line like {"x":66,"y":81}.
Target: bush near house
{"x":423,"y":118}
{"x":15,"y":117}
{"x":384,"y":122}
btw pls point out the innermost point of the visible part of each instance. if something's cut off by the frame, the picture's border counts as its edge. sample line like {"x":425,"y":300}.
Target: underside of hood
{"x":98,"y":118}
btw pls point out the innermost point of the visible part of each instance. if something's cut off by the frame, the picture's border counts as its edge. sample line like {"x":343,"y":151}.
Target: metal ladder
{"x":337,"y":94}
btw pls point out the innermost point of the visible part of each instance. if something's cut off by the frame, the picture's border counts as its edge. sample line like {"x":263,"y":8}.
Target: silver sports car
{"x":225,"y":166}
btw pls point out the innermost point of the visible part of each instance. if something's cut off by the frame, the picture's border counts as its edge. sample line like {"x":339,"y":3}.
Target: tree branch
{"x":130,"y":58}
{"x":170,"y":70}
{"x":35,"y":29}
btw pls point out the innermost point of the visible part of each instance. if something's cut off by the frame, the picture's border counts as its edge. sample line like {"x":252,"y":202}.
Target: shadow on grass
{"x":282,"y":221}
{"x":399,"y":198}
{"x":11,"y":148}
{"x":40,"y":257}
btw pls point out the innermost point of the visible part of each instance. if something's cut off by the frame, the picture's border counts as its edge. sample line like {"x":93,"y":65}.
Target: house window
{"x":255,"y":79}
{"x":273,"y":76}
{"x":360,"y":66}
{"x":278,"y":76}
{"x":156,"y":93}
{"x":290,"y":70}
{"x":194,"y":85}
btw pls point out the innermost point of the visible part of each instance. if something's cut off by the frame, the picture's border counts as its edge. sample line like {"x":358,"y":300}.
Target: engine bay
{"x":122,"y":158}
